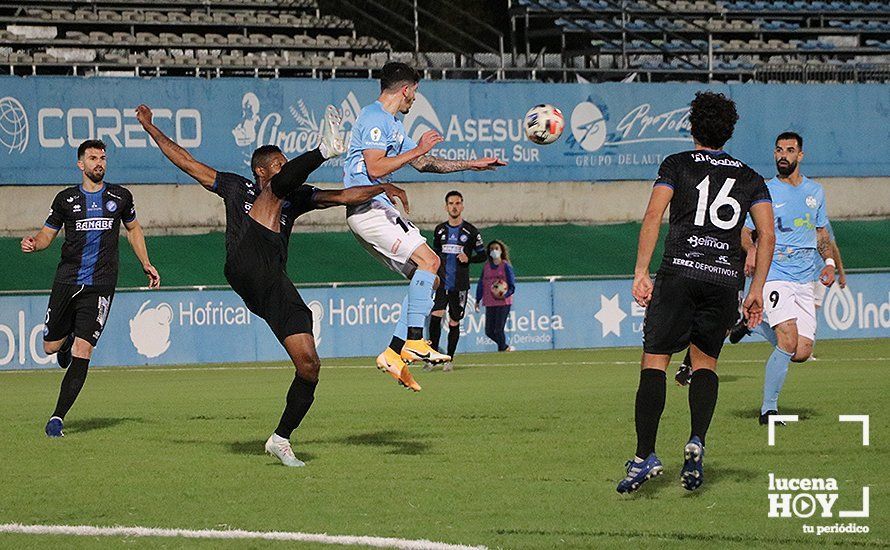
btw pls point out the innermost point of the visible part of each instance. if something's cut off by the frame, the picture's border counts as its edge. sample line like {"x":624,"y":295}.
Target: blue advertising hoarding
{"x":185,"y":327}
{"x":613,"y":131}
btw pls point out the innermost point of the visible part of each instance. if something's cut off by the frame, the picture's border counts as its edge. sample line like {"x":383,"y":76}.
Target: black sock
{"x":415,"y":333}
{"x":72,"y":383}
{"x":649,"y":406}
{"x":396,"y":344}
{"x":299,"y":399}
{"x":453,"y":337}
{"x":687,"y":360}
{"x":294,"y":172}
{"x":702,"y":401}
{"x":435,"y":331}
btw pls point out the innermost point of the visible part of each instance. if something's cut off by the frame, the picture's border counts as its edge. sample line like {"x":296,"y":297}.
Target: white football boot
{"x":331,"y":144}
{"x":279,"y":447}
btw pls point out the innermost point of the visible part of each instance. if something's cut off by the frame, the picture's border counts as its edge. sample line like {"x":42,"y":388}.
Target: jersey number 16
{"x":722,"y":199}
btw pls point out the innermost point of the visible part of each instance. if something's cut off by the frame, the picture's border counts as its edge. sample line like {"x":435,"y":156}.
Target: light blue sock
{"x":420,"y":297}
{"x":767,"y":332}
{"x":774,"y":379}
{"x":402,"y":325}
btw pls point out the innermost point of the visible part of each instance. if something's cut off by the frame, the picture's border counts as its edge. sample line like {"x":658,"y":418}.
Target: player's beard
{"x":786,"y":170}
{"x":96,"y":175}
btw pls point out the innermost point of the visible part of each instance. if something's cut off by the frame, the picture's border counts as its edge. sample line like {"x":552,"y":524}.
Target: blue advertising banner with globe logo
{"x":613,"y":131}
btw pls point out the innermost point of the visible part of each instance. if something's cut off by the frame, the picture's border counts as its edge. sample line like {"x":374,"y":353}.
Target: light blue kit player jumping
{"x":801,"y":238}
{"x":380,"y":146}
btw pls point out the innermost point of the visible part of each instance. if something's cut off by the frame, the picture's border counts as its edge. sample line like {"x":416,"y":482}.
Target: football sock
{"x":401,"y":332}
{"x":72,"y":383}
{"x":299,"y":399}
{"x":435,"y":331}
{"x":396,"y":344}
{"x":649,"y":406}
{"x":774,"y":379}
{"x":702,"y":401}
{"x":420,"y":298}
{"x":687,"y":360}
{"x":294,"y":172}
{"x":767,"y":332}
{"x":415,"y":333}
{"x":453,"y":337}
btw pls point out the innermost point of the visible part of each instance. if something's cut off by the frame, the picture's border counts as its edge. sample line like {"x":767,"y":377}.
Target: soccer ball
{"x":499,"y":288}
{"x":544,"y":124}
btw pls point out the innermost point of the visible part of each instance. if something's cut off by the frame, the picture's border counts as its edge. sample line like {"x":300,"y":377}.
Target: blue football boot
{"x":692,"y":475}
{"x":54,"y":427}
{"x":640,"y":472}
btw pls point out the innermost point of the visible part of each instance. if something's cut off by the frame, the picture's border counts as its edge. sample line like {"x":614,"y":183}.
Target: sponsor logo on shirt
{"x":708,"y":242}
{"x":452,"y":249}
{"x":700,"y":157}
{"x":94,"y":224}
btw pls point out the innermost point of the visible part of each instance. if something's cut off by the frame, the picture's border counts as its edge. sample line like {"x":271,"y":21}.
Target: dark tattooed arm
{"x":429,"y":163}
{"x":823,"y":243}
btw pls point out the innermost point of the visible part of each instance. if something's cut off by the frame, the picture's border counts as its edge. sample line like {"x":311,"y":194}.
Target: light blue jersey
{"x":375,"y":128}
{"x":798,"y":211}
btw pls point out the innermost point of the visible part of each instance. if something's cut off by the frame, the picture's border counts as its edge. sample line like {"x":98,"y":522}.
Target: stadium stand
{"x":653,"y":40}
{"x":766,"y":40}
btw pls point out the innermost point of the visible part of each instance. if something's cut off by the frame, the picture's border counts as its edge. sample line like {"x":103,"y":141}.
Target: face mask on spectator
{"x":495,"y":253}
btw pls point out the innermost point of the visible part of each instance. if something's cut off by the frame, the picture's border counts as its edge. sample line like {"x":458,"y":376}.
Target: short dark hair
{"x":712,"y":117}
{"x":89,"y":144}
{"x":791,"y":135}
{"x":394,"y":74}
{"x":453,"y":194}
{"x":262,"y":156}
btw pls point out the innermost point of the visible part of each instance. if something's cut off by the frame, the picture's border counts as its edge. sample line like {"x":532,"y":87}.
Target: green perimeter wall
{"x":325,"y":257}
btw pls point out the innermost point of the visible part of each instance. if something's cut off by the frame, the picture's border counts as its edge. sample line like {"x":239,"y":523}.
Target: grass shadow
{"x":92,"y":424}
{"x":803,"y":413}
{"x":400,"y":443}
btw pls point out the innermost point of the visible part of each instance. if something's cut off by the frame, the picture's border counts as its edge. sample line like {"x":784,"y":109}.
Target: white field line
{"x":109,"y":370}
{"x":343,"y":540}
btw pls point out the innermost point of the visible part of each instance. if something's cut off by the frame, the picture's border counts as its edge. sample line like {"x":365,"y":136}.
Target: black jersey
{"x":713,"y":193}
{"x":239,"y":193}
{"x":448,"y":242}
{"x":92,"y":228}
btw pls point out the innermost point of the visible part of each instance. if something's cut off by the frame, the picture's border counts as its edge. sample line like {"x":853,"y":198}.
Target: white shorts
{"x":819,"y":293}
{"x":386,"y":235}
{"x":784,"y":300}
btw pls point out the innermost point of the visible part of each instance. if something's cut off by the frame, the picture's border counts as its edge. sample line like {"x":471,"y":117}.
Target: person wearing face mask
{"x":497,"y":270}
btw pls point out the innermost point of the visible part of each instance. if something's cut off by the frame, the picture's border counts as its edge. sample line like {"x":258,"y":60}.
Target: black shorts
{"x":78,"y":309}
{"x":455,"y":300}
{"x":256,"y":270}
{"x":685,"y":311}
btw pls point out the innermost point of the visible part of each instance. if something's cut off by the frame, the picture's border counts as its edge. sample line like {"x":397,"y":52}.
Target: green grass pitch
{"x":519,"y":450}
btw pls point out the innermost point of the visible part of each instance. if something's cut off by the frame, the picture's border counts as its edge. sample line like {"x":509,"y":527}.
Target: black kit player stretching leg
{"x":259,"y":218}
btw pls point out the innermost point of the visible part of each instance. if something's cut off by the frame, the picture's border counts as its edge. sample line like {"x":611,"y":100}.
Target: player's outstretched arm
{"x":38,"y":242}
{"x":429,"y":163}
{"x":360,"y":195}
{"x":762,"y":214}
{"x":658,"y":203}
{"x":137,"y":241}
{"x":183,"y":160}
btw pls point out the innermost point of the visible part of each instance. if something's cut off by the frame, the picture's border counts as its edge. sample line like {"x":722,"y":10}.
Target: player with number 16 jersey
{"x":694,"y":299}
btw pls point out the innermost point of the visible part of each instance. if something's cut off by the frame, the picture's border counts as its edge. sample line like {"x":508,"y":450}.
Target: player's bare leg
{"x":301,"y":349}
{"x":62,"y":349}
